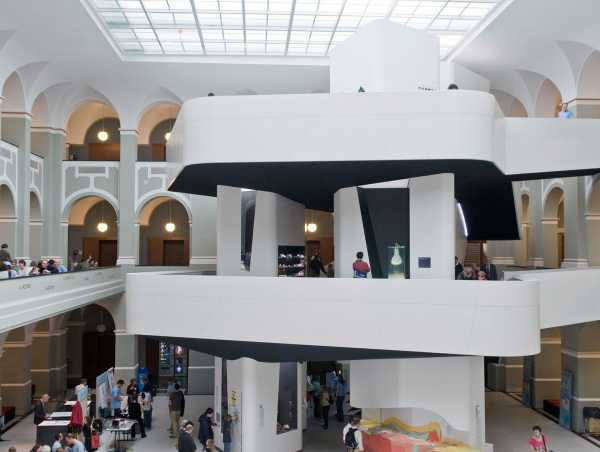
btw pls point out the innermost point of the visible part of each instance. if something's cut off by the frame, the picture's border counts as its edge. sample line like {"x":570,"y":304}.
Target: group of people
{"x":206,"y":436}
{"x":320,"y":397}
{"x":62,"y":443}
{"x":135,"y":403}
{"x":18,"y":268}
{"x":471,"y":272}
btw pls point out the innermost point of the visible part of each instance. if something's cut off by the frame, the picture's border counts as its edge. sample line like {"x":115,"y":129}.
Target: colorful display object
{"x":393,"y":435}
{"x":396,"y":262}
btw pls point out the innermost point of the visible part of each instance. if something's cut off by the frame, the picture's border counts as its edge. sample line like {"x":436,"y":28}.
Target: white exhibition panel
{"x":567,"y":296}
{"x":377,"y":56}
{"x":27,"y":300}
{"x":496,"y":318}
{"x":451,"y":387}
{"x":537,"y":145}
{"x":348,"y":232}
{"x":335,"y":127}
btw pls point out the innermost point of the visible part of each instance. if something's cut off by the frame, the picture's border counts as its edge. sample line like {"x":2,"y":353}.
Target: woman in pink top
{"x":538,"y":441}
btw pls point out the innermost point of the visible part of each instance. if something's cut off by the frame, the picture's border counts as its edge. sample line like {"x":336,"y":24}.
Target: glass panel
{"x":287,"y":400}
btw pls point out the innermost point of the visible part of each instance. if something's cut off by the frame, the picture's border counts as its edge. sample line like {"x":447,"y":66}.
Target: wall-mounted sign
{"x":424,"y":262}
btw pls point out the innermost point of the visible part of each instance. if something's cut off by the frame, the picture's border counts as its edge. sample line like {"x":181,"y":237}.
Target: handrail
{"x":21,"y":278}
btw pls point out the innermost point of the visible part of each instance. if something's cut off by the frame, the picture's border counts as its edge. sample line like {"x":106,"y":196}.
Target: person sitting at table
{"x":74,"y":444}
{"x":40,"y":413}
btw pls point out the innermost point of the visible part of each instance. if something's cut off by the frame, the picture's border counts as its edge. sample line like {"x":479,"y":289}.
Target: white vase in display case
{"x":396,"y":262}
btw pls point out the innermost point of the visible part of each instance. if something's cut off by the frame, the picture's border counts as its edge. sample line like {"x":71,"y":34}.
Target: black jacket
{"x":185,"y":443}
{"x":39,"y":413}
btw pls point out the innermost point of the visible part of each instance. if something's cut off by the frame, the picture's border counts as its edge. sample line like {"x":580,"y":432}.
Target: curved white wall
{"x":434,"y":316}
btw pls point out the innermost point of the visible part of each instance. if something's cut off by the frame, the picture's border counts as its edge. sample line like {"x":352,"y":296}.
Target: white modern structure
{"x":187,"y":145}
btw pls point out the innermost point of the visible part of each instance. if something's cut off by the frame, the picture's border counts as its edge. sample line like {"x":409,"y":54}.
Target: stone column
{"x":581,"y":358}
{"x":127,"y":220}
{"x":576,"y":245}
{"x":126,"y":355}
{"x":203,"y":230}
{"x":547,"y":368}
{"x":506,"y":375}
{"x":536,"y":240}
{"x":74,"y":349}
{"x":50,"y":144}
{"x":16,"y":129}
{"x":201,"y":373}
{"x":58,"y":348}
{"x":41,"y":362}
{"x":15,"y":367}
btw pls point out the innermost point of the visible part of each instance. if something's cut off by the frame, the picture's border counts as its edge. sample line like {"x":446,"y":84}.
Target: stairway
{"x":474,"y":253}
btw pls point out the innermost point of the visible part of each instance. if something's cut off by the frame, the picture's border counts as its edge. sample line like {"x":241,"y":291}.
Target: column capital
{"x":48,"y":129}
{"x":17,"y":115}
{"x":134,"y":132}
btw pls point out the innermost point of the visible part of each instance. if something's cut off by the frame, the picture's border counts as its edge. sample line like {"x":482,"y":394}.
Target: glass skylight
{"x":273,"y":27}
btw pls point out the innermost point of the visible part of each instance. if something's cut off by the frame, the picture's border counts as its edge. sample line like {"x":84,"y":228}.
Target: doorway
{"x":174,"y":252}
{"x":107,"y":253}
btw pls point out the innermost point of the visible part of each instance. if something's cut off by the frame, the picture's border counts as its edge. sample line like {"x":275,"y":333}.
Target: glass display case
{"x":396,"y":262}
{"x":173,"y":364}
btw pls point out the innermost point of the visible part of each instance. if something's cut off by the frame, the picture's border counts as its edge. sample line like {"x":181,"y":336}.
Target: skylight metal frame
{"x":273,"y":28}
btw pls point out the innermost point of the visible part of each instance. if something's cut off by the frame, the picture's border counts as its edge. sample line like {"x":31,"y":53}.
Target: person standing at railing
{"x":564,"y":112}
{"x":4,"y":254}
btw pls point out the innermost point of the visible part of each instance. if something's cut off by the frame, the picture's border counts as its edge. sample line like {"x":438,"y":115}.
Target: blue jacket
{"x":205,"y":431}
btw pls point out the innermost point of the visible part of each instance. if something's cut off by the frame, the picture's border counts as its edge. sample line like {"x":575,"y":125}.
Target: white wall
{"x":451,"y":387}
{"x":349,"y":234}
{"x":277,"y":221}
{"x":497,"y":318}
{"x":385,"y":56}
{"x":432,"y":217}
{"x":567,"y":296}
{"x":451,"y":72}
{"x":256,"y":386}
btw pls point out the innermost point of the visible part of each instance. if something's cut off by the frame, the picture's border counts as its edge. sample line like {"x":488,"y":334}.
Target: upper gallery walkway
{"x":27,"y":300}
{"x":280,"y":319}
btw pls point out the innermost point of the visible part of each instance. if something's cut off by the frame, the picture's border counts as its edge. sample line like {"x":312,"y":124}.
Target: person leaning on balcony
{"x":361,"y":268}
{"x":564,"y":112}
{"x":4,"y":254}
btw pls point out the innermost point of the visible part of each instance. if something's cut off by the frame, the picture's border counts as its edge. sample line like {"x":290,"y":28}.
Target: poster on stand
{"x":104,"y":384}
{"x":566,"y":394}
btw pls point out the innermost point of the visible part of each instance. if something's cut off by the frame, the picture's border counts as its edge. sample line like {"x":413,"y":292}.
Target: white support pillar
{"x":127,"y":236}
{"x":576,"y":244}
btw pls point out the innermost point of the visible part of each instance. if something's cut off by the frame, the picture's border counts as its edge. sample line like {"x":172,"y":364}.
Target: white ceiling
{"x":271,"y":27}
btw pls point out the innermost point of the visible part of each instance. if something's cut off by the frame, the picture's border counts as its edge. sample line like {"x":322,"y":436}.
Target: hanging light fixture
{"x":103,"y":134}
{"x":168,"y":134}
{"x":311,"y":226}
{"x":170,"y":226}
{"x":102,"y":226}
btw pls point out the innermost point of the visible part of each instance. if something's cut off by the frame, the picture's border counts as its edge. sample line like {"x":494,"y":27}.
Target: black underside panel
{"x":484,"y":192}
{"x":276,"y":353}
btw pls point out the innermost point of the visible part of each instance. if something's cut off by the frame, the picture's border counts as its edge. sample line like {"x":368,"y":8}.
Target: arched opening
{"x":93,"y":229}
{"x":510,"y":105}
{"x":525,"y":230}
{"x":164,"y":233}
{"x":14,"y":101}
{"x":588,"y":87}
{"x":154,"y":131}
{"x":35,"y":226}
{"x":8,"y":218}
{"x":90,"y":343}
{"x":93,"y":133}
{"x":548,"y":101}
{"x":553,"y":228}
{"x":593,"y":223}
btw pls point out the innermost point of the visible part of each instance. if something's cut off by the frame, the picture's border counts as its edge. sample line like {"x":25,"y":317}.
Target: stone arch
{"x":13,"y":93}
{"x":78,"y":196}
{"x":8,"y":216}
{"x":161,"y":114}
{"x":588,"y":85}
{"x":35,"y":225}
{"x":158,"y":246}
{"x":548,"y":100}
{"x":553,"y":225}
{"x":83,"y":231}
{"x":40,"y":112}
{"x":592,"y":216}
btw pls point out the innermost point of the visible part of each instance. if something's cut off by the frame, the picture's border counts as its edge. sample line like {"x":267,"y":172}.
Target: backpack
{"x":350,"y":438}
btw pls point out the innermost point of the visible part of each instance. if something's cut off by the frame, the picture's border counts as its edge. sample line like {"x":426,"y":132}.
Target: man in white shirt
{"x":352,"y":436}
